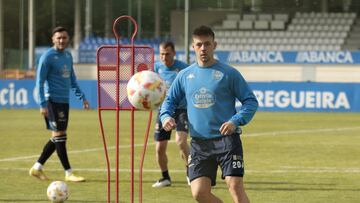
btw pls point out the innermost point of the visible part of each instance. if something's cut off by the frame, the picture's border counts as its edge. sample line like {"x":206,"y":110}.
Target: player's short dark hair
{"x":59,"y":29}
{"x":168,"y":44}
{"x":203,"y":30}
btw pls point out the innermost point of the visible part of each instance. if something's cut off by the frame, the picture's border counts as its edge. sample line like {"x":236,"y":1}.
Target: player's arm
{"x":41,"y":75}
{"x":247,"y":98}
{"x":78,"y":93}
{"x":169,"y":105}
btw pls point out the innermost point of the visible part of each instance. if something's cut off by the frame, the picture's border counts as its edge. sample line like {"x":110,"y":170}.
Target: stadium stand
{"x":265,"y":32}
{"x":304,"y":32}
{"x":352,"y":42}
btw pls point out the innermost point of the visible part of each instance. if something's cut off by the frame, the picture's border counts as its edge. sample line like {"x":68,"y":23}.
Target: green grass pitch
{"x":289,"y":158}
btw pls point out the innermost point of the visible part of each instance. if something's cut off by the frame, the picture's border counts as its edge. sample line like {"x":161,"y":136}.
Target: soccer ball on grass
{"x":58,"y":191}
{"x":146,"y":90}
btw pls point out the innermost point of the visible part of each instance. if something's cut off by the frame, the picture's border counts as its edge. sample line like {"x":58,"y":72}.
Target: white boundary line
{"x":73,"y":152}
{"x":293,"y":169}
{"x":274,"y":133}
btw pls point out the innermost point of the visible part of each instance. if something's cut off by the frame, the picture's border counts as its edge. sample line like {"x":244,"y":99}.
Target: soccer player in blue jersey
{"x":168,"y":67}
{"x":55,"y":77}
{"x":211,"y":89}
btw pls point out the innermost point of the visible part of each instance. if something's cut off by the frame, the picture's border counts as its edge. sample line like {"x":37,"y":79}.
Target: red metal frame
{"x":119,"y":108}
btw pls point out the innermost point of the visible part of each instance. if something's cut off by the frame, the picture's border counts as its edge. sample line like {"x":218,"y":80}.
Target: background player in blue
{"x":55,"y":77}
{"x":168,"y":68}
{"x":211,"y":89}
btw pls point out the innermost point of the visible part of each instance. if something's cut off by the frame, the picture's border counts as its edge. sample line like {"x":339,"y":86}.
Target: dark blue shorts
{"x":58,"y":116}
{"x":207,"y":155}
{"x":181,"y":120}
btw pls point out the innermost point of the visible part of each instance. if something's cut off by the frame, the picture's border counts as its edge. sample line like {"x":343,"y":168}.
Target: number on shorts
{"x":237,"y":164}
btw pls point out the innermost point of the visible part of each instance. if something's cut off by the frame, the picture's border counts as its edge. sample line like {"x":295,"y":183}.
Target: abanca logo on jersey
{"x":203,"y":98}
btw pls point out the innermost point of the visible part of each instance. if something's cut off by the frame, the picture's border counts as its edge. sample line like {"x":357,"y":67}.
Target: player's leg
{"x":60,"y":139}
{"x":59,"y":136}
{"x":201,"y":191}
{"x":181,"y":137}
{"x":37,"y":169}
{"x":162,"y":161}
{"x":182,"y":134}
{"x":202,"y":171}
{"x":181,"y":141}
{"x":161,"y":140}
{"x":161,"y":156}
{"x":236,"y":189}
{"x":48,"y":149}
{"x":232,"y":166}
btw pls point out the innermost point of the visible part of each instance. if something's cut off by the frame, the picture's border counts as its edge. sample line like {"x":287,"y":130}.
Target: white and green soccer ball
{"x":58,"y":191}
{"x":146,"y":90}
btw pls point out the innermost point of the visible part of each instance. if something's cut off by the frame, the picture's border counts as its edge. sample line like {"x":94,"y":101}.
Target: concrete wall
{"x":197,"y":17}
{"x":300,"y":73}
{"x":269,"y":73}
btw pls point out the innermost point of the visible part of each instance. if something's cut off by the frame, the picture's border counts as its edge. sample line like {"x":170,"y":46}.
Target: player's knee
{"x":237,"y":189}
{"x":181,"y":140}
{"x":181,"y":144}
{"x":233,"y":185}
{"x":161,"y":147}
{"x":160,"y":151}
{"x":199,"y":195}
{"x":200,"y":192}
{"x":234,"y":189}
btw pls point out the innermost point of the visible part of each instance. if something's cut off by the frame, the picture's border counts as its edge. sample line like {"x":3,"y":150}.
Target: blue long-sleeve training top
{"x":55,"y":77}
{"x":168,"y":74}
{"x":210,"y":93}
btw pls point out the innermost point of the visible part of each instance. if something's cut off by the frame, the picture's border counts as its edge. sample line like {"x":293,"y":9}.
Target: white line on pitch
{"x":73,"y":152}
{"x":274,"y":133}
{"x":301,"y":131}
{"x":271,"y":171}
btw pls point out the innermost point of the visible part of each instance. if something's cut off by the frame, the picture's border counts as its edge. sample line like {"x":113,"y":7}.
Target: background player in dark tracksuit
{"x":168,"y":68}
{"x":211,"y":89}
{"x":55,"y":78}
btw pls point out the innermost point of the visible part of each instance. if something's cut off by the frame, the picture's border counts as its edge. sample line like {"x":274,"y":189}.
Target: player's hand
{"x":86,"y":104}
{"x":169,"y":124}
{"x":44,"y":112}
{"x":227,"y":128}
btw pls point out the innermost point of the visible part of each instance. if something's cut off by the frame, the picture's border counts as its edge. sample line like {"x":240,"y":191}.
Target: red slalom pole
{"x":116,"y":64}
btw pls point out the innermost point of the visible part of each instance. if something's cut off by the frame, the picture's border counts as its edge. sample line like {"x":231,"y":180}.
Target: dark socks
{"x":60,"y":145}
{"x":49,"y":148}
{"x":165,"y":175}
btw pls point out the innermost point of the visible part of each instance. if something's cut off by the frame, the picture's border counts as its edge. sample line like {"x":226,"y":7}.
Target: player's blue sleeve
{"x":75,"y":87}
{"x":247,"y":98}
{"x":41,"y":74}
{"x":156,"y":68}
{"x":173,"y":98}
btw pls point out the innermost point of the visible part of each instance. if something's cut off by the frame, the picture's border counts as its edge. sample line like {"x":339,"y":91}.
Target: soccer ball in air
{"x":58,"y":191}
{"x":146,"y":90}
